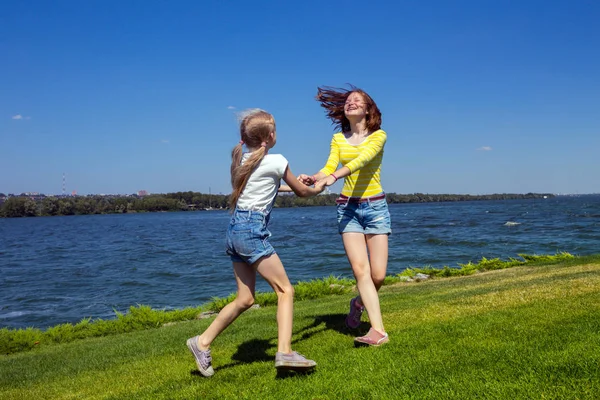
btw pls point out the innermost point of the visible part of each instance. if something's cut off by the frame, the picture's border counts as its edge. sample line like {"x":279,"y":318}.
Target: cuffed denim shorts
{"x":248,"y":236}
{"x":367,"y":217}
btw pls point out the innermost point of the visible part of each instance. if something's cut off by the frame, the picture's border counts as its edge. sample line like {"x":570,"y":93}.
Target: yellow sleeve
{"x":334,"y":158}
{"x":374,"y":147}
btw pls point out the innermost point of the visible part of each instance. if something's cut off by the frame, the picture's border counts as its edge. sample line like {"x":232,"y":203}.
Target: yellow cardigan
{"x":363,"y":160}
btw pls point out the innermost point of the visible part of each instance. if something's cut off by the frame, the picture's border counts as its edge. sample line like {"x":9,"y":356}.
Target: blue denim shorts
{"x":370,"y":217}
{"x":248,"y":236}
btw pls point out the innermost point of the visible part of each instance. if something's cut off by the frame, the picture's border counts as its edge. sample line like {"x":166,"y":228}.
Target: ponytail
{"x":236,"y":160}
{"x":240,"y":173}
{"x":255,"y":127}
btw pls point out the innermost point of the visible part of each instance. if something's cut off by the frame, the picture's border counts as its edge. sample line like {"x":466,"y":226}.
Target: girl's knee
{"x":244,"y":302}
{"x":286,"y":290}
{"x":361,"y":272}
{"x":378,"y":281}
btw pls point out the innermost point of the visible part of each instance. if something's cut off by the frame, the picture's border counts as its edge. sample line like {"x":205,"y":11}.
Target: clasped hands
{"x":310,"y":180}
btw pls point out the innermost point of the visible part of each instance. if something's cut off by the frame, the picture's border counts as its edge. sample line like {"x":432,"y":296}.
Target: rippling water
{"x":62,"y":269}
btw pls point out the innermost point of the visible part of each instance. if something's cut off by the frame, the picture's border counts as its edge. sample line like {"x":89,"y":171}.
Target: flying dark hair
{"x":333,"y":101}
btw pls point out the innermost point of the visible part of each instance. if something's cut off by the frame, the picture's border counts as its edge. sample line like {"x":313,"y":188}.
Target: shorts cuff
{"x":257,"y":257}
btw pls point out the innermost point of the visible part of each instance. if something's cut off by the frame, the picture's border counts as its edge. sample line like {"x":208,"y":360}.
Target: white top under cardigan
{"x":261,"y":189}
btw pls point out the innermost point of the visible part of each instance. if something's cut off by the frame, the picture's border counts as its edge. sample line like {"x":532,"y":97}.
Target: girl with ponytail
{"x":255,"y":181}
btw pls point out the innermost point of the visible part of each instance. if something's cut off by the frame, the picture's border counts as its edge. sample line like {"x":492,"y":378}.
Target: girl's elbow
{"x":306,"y":193}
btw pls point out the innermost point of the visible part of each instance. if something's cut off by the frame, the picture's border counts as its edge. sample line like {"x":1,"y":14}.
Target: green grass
{"x":531,"y":332}
{"x":143,"y":317}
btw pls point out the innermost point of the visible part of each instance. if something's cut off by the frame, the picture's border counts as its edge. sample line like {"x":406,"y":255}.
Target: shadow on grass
{"x":288,"y":373}
{"x":335,"y":322}
{"x":256,"y":350}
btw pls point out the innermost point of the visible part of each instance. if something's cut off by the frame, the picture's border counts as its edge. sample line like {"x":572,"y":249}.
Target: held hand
{"x":329,"y":180}
{"x":307,"y":180}
{"x":320,"y":185}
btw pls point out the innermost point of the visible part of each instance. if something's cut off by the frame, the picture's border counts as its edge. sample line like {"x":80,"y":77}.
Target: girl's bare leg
{"x":271,"y":269}
{"x":355,"y":245}
{"x":378,"y":258}
{"x":245,"y":276}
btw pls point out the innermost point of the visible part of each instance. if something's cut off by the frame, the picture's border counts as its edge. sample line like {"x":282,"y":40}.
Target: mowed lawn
{"x":530,"y":332}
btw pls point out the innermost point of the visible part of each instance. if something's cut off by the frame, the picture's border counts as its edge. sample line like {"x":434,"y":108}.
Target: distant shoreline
{"x":44,"y":206}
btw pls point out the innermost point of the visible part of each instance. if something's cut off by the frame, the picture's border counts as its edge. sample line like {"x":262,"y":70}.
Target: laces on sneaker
{"x":205,"y":358}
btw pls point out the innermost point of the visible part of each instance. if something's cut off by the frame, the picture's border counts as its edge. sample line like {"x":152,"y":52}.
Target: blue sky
{"x":477,"y":96}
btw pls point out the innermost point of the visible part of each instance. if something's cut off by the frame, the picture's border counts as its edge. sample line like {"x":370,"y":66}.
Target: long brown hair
{"x":255,"y":128}
{"x":333,"y":101}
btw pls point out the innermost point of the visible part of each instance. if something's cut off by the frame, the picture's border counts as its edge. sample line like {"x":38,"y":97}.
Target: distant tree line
{"x":27,"y":206}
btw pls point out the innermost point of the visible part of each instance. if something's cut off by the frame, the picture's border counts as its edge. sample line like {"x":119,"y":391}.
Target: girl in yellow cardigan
{"x":362,"y":212}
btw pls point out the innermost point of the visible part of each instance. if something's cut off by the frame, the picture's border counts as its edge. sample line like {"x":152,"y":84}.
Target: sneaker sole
{"x":293,"y":365}
{"x":203,"y":371}
{"x":360,"y":342}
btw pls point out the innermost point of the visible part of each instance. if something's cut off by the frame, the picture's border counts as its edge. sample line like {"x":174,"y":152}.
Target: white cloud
{"x":18,"y":116}
{"x":231,"y":108}
{"x":164,"y":141}
{"x":485,"y":148}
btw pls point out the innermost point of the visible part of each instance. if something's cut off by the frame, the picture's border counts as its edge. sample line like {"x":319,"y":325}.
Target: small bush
{"x":13,"y":341}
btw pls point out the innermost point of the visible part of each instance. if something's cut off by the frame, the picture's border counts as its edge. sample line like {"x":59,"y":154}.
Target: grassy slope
{"x":519,"y":333}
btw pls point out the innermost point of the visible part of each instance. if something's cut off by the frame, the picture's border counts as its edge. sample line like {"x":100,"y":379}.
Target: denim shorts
{"x":248,"y":236}
{"x":367,"y":217}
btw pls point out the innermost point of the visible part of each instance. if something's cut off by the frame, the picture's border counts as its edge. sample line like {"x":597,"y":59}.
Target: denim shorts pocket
{"x":341,"y":206}
{"x":244,"y":243}
{"x":343,"y":211}
{"x":379,"y":205}
{"x":261,"y":232}
{"x":236,"y":229}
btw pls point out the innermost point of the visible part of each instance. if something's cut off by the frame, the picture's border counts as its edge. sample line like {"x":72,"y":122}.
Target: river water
{"x":62,"y":269}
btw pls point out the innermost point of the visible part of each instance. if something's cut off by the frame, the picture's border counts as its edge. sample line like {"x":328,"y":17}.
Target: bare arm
{"x":284,"y":188}
{"x":339,"y":174}
{"x":299,"y":188}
